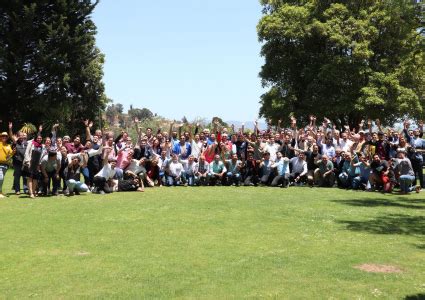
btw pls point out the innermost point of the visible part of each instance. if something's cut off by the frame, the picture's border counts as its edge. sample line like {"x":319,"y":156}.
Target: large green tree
{"x":347,"y":60}
{"x":50,"y":67}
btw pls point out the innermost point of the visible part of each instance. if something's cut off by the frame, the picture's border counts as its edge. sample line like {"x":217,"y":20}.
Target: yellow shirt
{"x":5,"y":153}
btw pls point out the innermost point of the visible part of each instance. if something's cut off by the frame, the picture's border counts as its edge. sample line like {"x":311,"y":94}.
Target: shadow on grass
{"x":415,"y":297}
{"x":389,"y":224}
{"x":396,"y":202}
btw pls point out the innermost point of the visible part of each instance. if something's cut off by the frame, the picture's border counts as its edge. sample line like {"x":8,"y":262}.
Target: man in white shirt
{"x":103,"y":181}
{"x":299,"y":169}
{"x":175,"y":172}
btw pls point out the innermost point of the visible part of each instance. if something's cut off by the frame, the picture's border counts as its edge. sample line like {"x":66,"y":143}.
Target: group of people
{"x":313,"y":155}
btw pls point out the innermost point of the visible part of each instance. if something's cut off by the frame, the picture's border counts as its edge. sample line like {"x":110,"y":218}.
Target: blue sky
{"x":190,"y":57}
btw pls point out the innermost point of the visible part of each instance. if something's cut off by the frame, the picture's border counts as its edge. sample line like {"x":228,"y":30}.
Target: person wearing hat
{"x":5,"y":156}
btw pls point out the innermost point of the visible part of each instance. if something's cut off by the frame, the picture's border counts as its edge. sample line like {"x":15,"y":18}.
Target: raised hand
{"x":40,"y":128}
{"x":90,"y":124}
{"x":10,"y":125}
{"x":136,"y":120}
{"x":86,"y":122}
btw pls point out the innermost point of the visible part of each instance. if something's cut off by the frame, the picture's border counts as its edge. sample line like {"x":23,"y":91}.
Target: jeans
{"x":51,"y":176}
{"x":3,"y":170}
{"x":233,"y":178}
{"x":17,"y":174}
{"x":358,"y":182}
{"x":406,"y":182}
{"x":76,"y":186}
{"x":191,"y":180}
{"x":173,"y":181}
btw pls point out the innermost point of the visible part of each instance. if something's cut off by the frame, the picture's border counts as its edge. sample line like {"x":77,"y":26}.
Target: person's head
{"x":197,"y":138}
{"x":39,"y":139}
{"x":143,"y":143}
{"x":22,"y":136}
{"x":402,"y":141}
{"x":271,"y":140}
{"x":75,"y":161}
{"x":182,"y":140}
{"x":416,"y":132}
{"x":163,"y":154}
{"x":98,"y":133}
{"x":401,"y":153}
{"x":66,"y":139}
{"x":301,"y":155}
{"x":130,"y":154}
{"x":381,"y":136}
{"x":212,"y":137}
{"x":155,"y":143}
{"x":175,"y":158}
{"x":329,"y":142}
{"x":59,"y":142}
{"x":4,"y":137}
{"x":374,"y":136}
{"x":154,"y":162}
{"x":191,"y":158}
{"x":279,"y":155}
{"x":217,"y":158}
{"x":224,"y":137}
{"x":240,"y":137}
{"x":47,"y":141}
{"x":77,"y":140}
{"x":174,"y":135}
{"x":88,"y":145}
{"x":250,"y":156}
{"x":63,"y":151}
{"x":376,"y":158}
{"x":234,"y":157}
{"x":344,"y":136}
{"x":347,"y":156}
{"x":148,"y":131}
{"x":315,"y":148}
{"x":325,"y":158}
{"x":266,"y":155}
{"x":52,"y":155}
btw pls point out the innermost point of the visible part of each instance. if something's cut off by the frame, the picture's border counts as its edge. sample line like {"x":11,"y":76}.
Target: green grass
{"x":212,"y":243}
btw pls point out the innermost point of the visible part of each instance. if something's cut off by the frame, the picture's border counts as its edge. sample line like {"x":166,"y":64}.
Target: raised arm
{"x":11,"y":135}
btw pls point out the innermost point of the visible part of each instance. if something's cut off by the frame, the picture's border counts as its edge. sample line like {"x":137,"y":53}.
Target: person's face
{"x":191,"y":159}
{"x":235,"y":157}
{"x":376,"y":158}
{"x":217,"y":158}
{"x":175,"y":158}
{"x":267,"y":156}
{"x":4,"y":138}
{"x":212,"y":137}
{"x":400,"y":155}
{"x":110,"y":141}
{"x":197,"y":137}
{"x":272,"y":140}
{"x":129,"y":140}
{"x":143,"y":144}
{"x":301,"y":156}
{"x":65,"y":141}
{"x":163,"y":153}
{"x":48,"y":142}
{"x":380,"y":137}
{"x":315,"y":148}
{"x":77,"y":140}
{"x":279,"y":155}
{"x":154,"y":162}
{"x":59,"y":141}
{"x":182,"y":139}
{"x":325,"y":159}
{"x":39,"y":139}
{"x":224,"y":138}
{"x":148,"y":131}
{"x":113,"y":164}
{"x":338,"y":153}
{"x":88,"y":145}
{"x":63,"y":150}
{"x":344,"y":136}
{"x":98,"y":133}
{"x":75,"y":161}
{"x":287,"y":139}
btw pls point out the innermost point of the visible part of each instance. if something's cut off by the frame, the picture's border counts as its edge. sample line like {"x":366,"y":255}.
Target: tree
{"x":347,"y":60}
{"x":50,"y":67}
{"x":141,"y":114}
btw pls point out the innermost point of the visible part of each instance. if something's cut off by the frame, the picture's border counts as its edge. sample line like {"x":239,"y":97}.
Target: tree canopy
{"x":50,"y":67}
{"x":346,"y":60}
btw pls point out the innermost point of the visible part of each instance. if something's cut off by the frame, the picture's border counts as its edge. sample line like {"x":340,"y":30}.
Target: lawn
{"x":216,"y":243}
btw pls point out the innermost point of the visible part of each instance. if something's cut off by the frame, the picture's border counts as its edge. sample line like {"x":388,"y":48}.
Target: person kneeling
{"x":103,"y":181}
{"x":72,"y":177}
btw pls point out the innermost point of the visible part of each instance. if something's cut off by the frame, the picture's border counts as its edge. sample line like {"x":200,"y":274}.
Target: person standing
{"x":19,"y":146}
{"x":5,"y":156}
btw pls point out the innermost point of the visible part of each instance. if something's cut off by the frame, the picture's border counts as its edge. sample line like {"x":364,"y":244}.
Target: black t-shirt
{"x":379,"y":167}
{"x":127,"y":185}
{"x":310,"y":157}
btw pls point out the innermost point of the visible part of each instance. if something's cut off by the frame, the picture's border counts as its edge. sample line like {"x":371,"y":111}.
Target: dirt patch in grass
{"x":374,"y":268}
{"x":82,"y":253}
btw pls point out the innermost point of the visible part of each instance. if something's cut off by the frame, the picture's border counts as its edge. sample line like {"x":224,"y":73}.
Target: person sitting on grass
{"x":250,"y":170}
{"x":234,"y":166}
{"x":175,"y":172}
{"x":324,"y":174}
{"x":299,"y":169}
{"x":103,"y":180}
{"x":281,"y":165}
{"x":203,"y":171}
{"x":190,"y":170}
{"x":266,"y":171}
{"x":362,"y":179}
{"x":379,"y":178}
{"x":406,"y":175}
{"x":73,"y":176}
{"x":217,"y":171}
{"x":153,"y":173}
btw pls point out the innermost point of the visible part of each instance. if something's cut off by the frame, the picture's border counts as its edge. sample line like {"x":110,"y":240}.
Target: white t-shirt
{"x":135,"y":167}
{"x":107,"y":172}
{"x":196,"y":148}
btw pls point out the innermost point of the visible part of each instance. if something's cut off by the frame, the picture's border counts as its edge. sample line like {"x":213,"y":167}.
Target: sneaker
{"x":102,"y":192}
